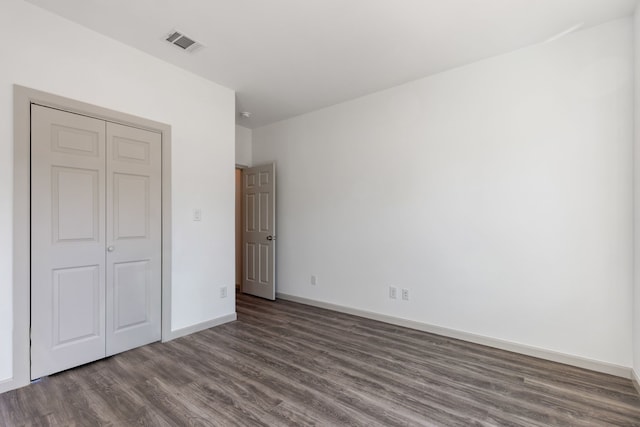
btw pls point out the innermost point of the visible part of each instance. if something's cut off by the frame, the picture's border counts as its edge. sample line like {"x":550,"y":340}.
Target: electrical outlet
{"x":197,"y":214}
{"x":314,"y":280}
{"x":223,"y":292}
{"x":405,"y":294}
{"x":393,"y":292}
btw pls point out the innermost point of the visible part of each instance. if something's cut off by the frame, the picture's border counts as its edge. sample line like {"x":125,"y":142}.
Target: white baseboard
{"x":200,"y":326}
{"x":13,"y":384}
{"x":567,"y":359}
{"x":8,"y":385}
{"x":636,"y":380}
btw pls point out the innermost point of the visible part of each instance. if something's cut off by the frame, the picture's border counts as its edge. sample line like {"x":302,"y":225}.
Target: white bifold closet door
{"x":95,"y":239}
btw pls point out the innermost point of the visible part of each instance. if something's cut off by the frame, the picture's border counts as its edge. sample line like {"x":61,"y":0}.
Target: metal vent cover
{"x":184,"y":42}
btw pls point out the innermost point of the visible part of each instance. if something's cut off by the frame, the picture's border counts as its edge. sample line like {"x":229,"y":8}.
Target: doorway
{"x":239,"y":229}
{"x":258,"y":220}
{"x":95,"y":239}
{"x":24,"y":98}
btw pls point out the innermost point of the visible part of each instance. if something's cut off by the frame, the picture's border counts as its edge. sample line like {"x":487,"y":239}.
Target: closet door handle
{"x":111,"y":248}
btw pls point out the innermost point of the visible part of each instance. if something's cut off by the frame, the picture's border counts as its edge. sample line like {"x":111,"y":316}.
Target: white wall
{"x":636,"y":293}
{"x":499,"y":194}
{"x":243,"y":146}
{"x":49,"y":53}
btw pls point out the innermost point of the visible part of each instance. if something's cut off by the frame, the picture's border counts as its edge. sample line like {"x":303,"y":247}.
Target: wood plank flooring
{"x":284,"y":363}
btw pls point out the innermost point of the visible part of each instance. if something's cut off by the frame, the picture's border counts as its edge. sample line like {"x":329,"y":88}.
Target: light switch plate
{"x":197,"y":214}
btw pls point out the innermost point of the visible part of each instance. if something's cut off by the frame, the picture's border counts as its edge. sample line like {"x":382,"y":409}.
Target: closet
{"x":96,"y":244}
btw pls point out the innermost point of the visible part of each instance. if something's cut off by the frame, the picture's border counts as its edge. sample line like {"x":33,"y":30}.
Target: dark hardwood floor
{"x":284,"y":363}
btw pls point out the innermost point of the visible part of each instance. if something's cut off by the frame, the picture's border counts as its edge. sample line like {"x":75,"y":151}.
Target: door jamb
{"x":240,"y":167}
{"x":23,"y":97}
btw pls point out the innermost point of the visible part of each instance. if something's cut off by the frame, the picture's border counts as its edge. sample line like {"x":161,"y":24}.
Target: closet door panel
{"x":67,"y":240}
{"x":133,"y":237}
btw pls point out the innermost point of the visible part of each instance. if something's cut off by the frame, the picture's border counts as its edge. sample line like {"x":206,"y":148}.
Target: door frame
{"x":23,"y":97}
{"x":240,"y":167}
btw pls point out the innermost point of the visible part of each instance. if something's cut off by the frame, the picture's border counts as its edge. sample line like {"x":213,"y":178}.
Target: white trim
{"x":202,"y":326}
{"x":567,"y":359}
{"x":636,"y":380}
{"x":23,"y":97}
{"x":8,"y":385}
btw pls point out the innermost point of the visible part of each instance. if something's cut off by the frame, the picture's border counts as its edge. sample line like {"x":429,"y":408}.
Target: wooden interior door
{"x":259,"y":231}
{"x":67,"y":240}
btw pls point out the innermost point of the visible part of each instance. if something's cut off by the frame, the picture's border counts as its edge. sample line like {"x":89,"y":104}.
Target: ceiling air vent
{"x":182,"y":41}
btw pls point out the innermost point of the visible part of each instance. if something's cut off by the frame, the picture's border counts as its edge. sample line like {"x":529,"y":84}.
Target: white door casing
{"x":259,"y":231}
{"x":67,"y":240}
{"x":96,"y":239}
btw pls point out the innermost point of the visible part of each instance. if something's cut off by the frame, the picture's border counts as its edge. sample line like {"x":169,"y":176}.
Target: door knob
{"x":111,"y":248}
{"x":271,"y":237}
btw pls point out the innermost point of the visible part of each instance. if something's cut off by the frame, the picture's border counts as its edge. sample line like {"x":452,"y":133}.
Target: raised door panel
{"x":75,"y":198}
{"x":70,"y":139}
{"x":264,"y":212}
{"x":265,"y":277}
{"x":76,"y":305}
{"x":129,"y":150}
{"x":250,"y":261}
{"x":250,"y":213}
{"x":133,"y":294}
{"x":67,"y":240}
{"x":131,"y":206}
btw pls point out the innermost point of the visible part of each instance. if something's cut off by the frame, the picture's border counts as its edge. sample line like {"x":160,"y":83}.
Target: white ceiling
{"x":288,"y":57}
